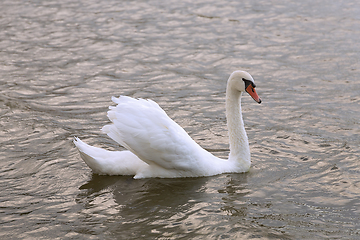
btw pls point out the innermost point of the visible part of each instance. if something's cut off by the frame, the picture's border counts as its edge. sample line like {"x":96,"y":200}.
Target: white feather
{"x":105,"y":162}
{"x":159,"y":147}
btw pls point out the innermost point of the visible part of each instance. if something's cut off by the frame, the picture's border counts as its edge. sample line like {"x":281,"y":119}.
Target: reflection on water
{"x":172,"y":207}
{"x":61,"y":62}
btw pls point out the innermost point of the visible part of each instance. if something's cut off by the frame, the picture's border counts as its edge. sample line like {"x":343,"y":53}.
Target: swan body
{"x":158,"y":147}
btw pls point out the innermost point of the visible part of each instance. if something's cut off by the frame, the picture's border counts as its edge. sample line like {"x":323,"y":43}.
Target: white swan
{"x":159,"y":147}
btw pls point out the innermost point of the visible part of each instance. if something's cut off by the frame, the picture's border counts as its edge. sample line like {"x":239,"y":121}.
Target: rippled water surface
{"x":61,"y":61}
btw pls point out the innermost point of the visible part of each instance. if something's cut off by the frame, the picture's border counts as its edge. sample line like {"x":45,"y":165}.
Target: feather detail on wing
{"x":145,"y":129}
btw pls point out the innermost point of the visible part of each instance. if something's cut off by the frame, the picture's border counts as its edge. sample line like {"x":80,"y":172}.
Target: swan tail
{"x":104,"y":162}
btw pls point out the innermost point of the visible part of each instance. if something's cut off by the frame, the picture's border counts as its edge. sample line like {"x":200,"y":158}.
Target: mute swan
{"x":159,"y":147}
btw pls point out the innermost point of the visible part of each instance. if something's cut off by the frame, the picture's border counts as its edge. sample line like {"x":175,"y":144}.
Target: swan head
{"x":243,"y":82}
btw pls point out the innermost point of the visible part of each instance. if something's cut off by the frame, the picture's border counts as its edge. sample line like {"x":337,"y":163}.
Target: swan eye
{"x":248,"y":82}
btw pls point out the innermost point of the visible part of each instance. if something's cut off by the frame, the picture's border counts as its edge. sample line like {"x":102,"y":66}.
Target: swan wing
{"x":144,"y":128}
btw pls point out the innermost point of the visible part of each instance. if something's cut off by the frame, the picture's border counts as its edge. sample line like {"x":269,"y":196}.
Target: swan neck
{"x":239,"y":145}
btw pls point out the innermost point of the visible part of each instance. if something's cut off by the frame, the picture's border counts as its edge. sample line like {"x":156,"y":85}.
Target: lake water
{"x":61,"y":61}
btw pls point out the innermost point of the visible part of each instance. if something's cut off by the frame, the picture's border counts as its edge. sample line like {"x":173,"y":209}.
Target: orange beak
{"x":251,"y":91}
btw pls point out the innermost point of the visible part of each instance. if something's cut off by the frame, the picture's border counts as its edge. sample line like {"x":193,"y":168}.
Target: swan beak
{"x":251,"y":91}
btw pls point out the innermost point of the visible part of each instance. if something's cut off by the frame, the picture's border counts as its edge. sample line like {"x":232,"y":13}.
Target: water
{"x":61,"y":61}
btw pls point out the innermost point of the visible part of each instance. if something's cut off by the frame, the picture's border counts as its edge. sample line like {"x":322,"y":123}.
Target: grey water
{"x":61,"y":61}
